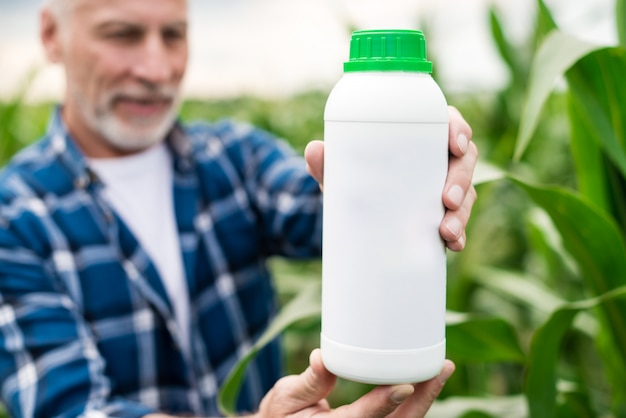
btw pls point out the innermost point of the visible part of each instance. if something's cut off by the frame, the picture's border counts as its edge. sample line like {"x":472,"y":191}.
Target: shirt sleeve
{"x":288,"y":198}
{"x":49,"y":362}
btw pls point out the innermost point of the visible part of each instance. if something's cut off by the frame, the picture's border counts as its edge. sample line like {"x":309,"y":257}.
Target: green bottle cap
{"x":388,"y":50}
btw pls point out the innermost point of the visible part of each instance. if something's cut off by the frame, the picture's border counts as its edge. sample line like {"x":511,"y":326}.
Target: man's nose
{"x":153,"y":62}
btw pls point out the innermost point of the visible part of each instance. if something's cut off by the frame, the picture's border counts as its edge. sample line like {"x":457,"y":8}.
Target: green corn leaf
{"x":493,"y":406}
{"x":485,"y":173}
{"x":589,"y":159}
{"x":597,"y":97}
{"x":595,"y":242}
{"x":10,"y":140}
{"x":540,"y":385}
{"x":546,"y":242}
{"x":474,"y":339}
{"x":305,"y":305}
{"x":523,"y":289}
{"x":597,"y":88}
{"x":545,"y":22}
{"x":504,"y":47}
{"x":556,"y":55}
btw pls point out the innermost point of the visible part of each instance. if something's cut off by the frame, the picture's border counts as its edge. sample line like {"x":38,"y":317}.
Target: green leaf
{"x":540,"y":385}
{"x":497,"y":406}
{"x":595,"y":242}
{"x":546,"y":241}
{"x":504,"y":47}
{"x":588,"y":157}
{"x":304,"y":306}
{"x":485,"y":172}
{"x":598,"y":128}
{"x":525,"y":290}
{"x":545,"y":22}
{"x":597,"y":88}
{"x":555,"y":56}
{"x":474,"y":338}
{"x":10,"y":139}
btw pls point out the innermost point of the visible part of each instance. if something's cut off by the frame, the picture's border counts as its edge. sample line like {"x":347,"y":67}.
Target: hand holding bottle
{"x":304,"y":396}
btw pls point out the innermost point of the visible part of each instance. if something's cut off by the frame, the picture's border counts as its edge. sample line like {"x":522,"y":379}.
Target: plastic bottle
{"x":384,"y":262}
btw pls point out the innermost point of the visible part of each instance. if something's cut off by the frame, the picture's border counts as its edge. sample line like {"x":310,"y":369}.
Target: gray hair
{"x":61,"y":11}
{"x":59,"y":8}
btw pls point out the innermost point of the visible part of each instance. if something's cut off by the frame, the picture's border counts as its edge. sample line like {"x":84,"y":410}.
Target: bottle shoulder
{"x":387,"y":96}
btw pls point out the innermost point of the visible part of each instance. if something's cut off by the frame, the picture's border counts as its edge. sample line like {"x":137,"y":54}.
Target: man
{"x":132,"y":248}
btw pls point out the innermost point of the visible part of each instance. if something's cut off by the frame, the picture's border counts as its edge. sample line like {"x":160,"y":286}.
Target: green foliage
{"x":20,"y":123}
{"x":297,"y":119}
{"x":596,"y":100}
{"x":304,"y":306}
{"x":542,"y":379}
{"x":591,"y":222}
{"x":481,"y":339}
{"x":555,"y":55}
{"x":598,"y":246}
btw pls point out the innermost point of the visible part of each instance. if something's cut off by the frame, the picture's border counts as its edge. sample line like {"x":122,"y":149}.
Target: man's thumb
{"x":294,"y":393}
{"x":315,"y":383}
{"x":314,"y":156}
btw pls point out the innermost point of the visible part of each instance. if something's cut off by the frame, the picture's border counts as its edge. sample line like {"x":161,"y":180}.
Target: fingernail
{"x":446,"y":372}
{"x":454,"y":226}
{"x":462,"y":142}
{"x":400,"y":393}
{"x":456,"y":195}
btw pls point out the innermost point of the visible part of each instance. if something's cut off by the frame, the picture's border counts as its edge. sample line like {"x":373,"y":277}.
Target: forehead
{"x":136,"y":11}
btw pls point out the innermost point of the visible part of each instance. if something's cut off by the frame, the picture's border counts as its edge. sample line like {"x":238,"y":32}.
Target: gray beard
{"x":123,"y":136}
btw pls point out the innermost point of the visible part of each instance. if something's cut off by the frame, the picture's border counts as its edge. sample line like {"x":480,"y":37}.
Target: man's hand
{"x":304,"y":396}
{"x":459,"y":194}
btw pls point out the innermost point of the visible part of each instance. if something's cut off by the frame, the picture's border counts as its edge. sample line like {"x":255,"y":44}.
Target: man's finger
{"x":295,"y":393}
{"x":312,"y":385}
{"x":452,"y":228}
{"x":425,"y":394}
{"x":378,"y":403}
{"x":459,"y":179}
{"x":460,"y":133}
{"x":314,"y":157}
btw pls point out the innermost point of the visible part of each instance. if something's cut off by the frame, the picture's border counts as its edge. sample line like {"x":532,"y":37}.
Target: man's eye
{"x":124,"y":36}
{"x":173,"y":35}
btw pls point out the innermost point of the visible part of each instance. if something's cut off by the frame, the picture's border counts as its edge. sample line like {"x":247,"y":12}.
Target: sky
{"x":279,"y":47}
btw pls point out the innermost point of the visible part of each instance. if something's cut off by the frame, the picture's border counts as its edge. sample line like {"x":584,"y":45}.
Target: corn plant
{"x":591,"y":221}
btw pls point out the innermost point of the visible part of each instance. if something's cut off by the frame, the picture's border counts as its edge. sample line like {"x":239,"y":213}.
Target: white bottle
{"x":384,"y":262}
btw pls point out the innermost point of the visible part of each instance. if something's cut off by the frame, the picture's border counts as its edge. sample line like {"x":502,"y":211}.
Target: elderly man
{"x":133,"y":248}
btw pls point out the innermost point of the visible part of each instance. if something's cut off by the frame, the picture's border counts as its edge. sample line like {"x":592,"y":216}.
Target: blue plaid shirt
{"x":86,"y":326}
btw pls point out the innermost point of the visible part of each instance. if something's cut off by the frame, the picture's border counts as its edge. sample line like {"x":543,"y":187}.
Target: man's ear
{"x":49,"y":32}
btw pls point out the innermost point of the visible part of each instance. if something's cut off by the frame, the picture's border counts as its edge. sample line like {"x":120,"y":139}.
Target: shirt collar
{"x":72,"y":158}
{"x":67,"y":151}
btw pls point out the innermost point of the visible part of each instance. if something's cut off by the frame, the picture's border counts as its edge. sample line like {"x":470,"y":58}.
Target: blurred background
{"x":537,"y":300}
{"x":279,"y":47}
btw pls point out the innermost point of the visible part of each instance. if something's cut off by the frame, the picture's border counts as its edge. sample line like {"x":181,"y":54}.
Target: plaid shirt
{"x":86,"y":326}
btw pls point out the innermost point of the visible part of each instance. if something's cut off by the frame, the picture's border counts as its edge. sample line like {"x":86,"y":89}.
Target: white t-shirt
{"x":140,"y":189}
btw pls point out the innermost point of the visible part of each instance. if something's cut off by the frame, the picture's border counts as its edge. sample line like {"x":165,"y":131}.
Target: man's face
{"x":124,"y":62}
